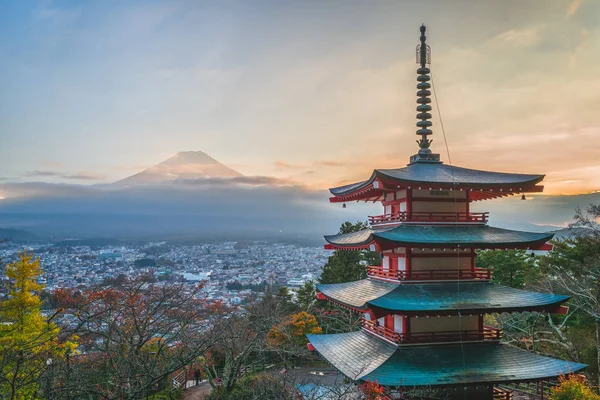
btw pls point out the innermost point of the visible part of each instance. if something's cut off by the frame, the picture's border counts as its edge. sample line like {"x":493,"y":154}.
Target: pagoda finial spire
{"x":423,"y":99}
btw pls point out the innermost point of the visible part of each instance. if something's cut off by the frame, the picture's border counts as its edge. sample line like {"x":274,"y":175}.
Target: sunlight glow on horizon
{"x":314,"y":95}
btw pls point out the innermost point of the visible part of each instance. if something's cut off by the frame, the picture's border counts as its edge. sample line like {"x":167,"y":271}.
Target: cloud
{"x":518,"y":37}
{"x":330,"y":163}
{"x":79,"y":176}
{"x":573,"y":7}
{"x":285,"y":165}
{"x":52,"y":163}
{"x":241,"y":180}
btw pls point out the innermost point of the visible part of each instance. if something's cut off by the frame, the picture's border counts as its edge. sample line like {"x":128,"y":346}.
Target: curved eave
{"x":361,"y":357}
{"x":448,"y":298}
{"x":441,"y":174}
{"x":467,"y":297}
{"x":446,"y":236}
{"x":356,"y":294}
{"x":484,"y":184}
{"x":467,"y":364}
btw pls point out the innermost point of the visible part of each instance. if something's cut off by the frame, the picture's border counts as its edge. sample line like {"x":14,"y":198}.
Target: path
{"x":196,"y":392}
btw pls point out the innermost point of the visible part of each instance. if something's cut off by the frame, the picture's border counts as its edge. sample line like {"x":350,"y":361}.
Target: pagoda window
{"x":386,"y":263}
{"x":398,"y":323}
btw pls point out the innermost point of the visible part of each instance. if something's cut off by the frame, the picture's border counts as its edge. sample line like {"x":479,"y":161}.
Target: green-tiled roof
{"x":449,"y":297}
{"x":443,"y":235}
{"x":442,"y":174}
{"x":356,"y":294}
{"x":360,"y":356}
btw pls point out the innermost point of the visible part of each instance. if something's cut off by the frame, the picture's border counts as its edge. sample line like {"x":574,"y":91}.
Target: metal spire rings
{"x":423,"y":58}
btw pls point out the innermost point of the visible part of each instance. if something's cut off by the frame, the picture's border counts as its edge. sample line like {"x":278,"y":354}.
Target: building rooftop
{"x":361,"y":356}
{"x":451,"y":235}
{"x":438,"y":298}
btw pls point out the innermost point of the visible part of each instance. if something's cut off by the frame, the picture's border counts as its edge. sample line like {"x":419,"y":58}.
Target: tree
{"x":305,"y":296}
{"x":348,"y":265}
{"x":573,"y":268}
{"x":293,"y":330}
{"x":135,"y":335}
{"x":572,"y":387}
{"x":514,"y":268}
{"x":27,"y":339}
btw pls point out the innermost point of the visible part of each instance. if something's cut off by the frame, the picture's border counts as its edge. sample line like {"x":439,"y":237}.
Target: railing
{"x":430,"y":274}
{"x":381,"y":330}
{"x":180,"y":379}
{"x":502,"y":394}
{"x":488,"y":333}
{"x":403,"y":216}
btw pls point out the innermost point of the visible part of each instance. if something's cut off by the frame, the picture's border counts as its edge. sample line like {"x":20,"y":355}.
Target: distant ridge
{"x":183,"y":165}
{"x":17,"y":235}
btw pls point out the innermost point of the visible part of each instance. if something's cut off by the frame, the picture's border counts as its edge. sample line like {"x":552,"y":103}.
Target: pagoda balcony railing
{"x":403,"y":216}
{"x":430,"y":274}
{"x":488,"y":333}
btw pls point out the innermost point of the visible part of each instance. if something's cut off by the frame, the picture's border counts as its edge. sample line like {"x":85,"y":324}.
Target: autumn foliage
{"x":573,"y":387}
{"x":293,"y":330}
{"x":373,"y":391}
{"x":27,"y":339}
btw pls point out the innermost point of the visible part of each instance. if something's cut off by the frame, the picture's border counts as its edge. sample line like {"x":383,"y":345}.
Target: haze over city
{"x":285,"y":99}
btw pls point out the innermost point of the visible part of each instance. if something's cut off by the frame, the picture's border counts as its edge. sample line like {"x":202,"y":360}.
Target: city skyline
{"x":307,"y":93}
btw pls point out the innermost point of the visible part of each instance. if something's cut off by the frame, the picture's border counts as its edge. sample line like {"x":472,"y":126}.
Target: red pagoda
{"x":423,"y":308}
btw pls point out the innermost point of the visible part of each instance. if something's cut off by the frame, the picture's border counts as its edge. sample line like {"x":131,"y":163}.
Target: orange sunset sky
{"x":313,"y":93}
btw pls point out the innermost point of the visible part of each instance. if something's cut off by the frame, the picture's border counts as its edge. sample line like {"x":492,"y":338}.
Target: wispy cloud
{"x":55,"y":174}
{"x":518,"y":37}
{"x":573,"y":7}
{"x":285,"y":165}
{"x":330,"y":163}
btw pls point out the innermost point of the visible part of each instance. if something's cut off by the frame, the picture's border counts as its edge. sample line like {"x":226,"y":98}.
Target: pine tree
{"x":346,"y":265}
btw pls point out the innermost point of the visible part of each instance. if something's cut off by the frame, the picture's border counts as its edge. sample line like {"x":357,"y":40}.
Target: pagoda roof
{"x":438,"y":298}
{"x":442,"y":176}
{"x":451,"y":235}
{"x":361,"y":357}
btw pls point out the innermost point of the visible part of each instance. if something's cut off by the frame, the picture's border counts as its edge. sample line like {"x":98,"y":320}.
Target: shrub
{"x":573,"y":387}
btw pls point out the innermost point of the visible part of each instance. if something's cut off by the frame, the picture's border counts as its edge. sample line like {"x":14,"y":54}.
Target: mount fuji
{"x":183,"y":165}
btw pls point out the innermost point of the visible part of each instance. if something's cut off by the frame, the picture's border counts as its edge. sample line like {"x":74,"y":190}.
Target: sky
{"x":310,"y":92}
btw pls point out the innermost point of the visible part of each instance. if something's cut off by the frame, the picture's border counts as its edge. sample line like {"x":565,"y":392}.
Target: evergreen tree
{"x":514,"y":268}
{"x":305,"y":296}
{"x":348,"y":265}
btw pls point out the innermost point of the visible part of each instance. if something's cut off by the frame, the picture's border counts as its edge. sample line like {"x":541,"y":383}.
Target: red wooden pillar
{"x":406,"y":325}
{"x":468,"y":205}
{"x":408,"y":261}
{"x":388,"y":322}
{"x":541,"y":390}
{"x":472,"y":260}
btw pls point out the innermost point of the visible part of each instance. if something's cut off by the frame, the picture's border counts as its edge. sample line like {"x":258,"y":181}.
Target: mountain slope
{"x":184,"y":165}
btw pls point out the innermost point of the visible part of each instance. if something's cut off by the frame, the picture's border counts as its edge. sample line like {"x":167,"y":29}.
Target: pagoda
{"x":423,"y":308}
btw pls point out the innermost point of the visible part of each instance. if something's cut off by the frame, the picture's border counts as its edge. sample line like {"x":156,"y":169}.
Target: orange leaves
{"x":573,"y":387}
{"x":293,"y":329}
{"x":373,"y":391}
